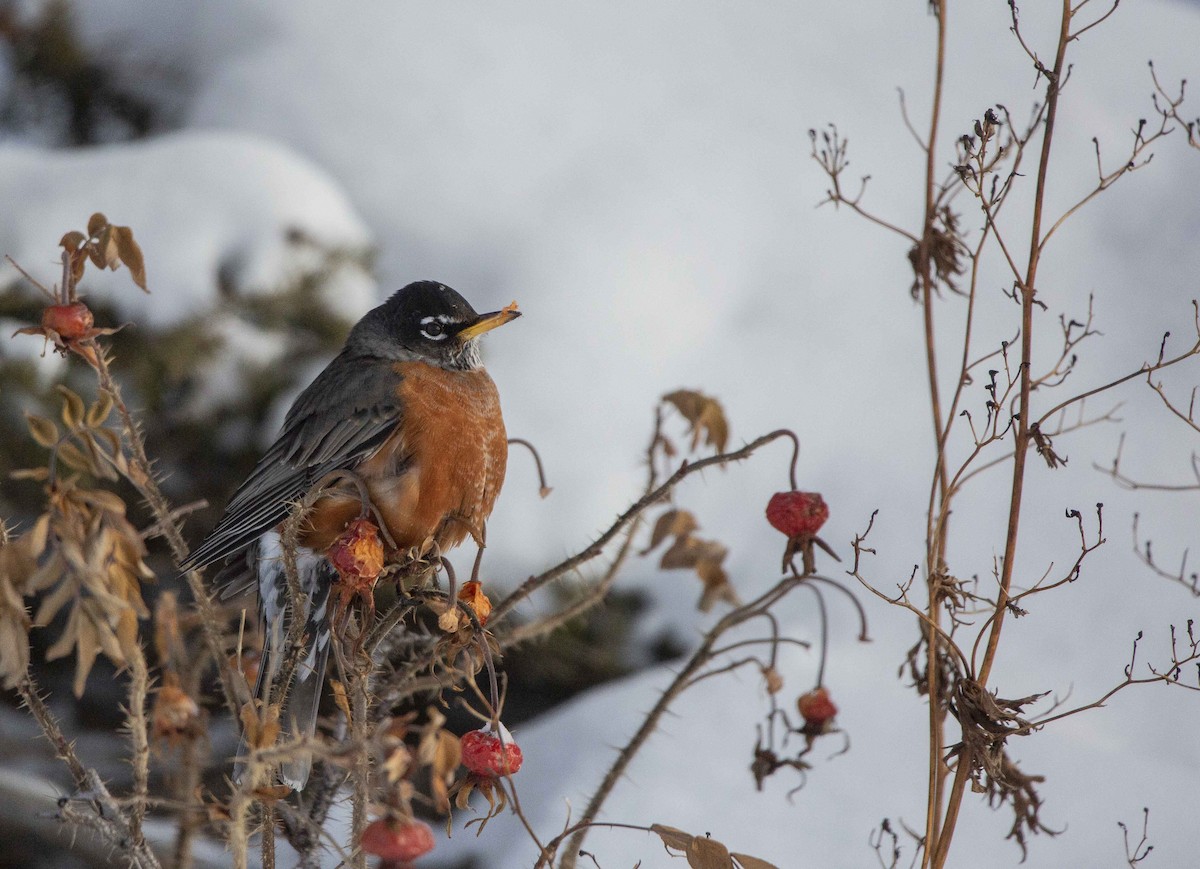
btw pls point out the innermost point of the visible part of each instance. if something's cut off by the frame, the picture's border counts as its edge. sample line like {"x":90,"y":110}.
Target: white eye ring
{"x":434,"y":328}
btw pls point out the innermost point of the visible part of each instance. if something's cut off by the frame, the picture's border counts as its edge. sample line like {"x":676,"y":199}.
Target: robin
{"x":407,"y":408}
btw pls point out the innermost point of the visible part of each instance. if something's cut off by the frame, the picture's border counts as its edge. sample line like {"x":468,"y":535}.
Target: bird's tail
{"x":298,"y":715}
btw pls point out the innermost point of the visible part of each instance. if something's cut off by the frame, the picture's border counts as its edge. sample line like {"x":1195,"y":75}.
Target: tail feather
{"x":298,"y":716}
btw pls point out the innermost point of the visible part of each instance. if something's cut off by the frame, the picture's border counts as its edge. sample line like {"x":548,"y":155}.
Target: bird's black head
{"x":426,"y":321}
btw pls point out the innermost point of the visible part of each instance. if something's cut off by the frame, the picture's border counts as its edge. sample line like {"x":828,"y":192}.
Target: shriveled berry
{"x":797,"y":514}
{"x":817,"y":708}
{"x":71,"y":322}
{"x":397,"y":838}
{"x":358,"y":553}
{"x":483,"y":753}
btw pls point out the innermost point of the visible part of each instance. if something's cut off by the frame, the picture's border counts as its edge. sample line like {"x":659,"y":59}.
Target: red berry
{"x":71,"y":322}
{"x":397,"y":838}
{"x":797,"y":514}
{"x":358,"y":552}
{"x":483,"y":754}
{"x":816,"y":707}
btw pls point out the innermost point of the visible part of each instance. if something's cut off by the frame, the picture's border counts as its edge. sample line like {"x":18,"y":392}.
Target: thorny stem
{"x":190,"y":818}
{"x":685,"y":470}
{"x":92,"y":806}
{"x":678,"y":685}
{"x":935,"y":550}
{"x":1028,"y":291}
{"x":139,"y":683}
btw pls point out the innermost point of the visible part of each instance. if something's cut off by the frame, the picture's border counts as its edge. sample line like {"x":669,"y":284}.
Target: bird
{"x":407,"y":414}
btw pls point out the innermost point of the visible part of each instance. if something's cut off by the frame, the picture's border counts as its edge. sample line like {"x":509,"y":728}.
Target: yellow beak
{"x":488,"y":322}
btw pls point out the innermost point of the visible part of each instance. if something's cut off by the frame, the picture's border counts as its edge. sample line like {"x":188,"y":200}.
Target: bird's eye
{"x":433,"y":328}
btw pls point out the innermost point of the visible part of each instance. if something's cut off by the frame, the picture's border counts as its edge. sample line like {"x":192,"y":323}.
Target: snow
{"x":636,"y":176}
{"x":204,"y":205}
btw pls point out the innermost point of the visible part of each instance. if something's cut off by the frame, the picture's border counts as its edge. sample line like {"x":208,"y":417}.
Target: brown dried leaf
{"x":131,"y":255}
{"x":35,"y":474}
{"x":705,"y":415}
{"x":690,"y":551}
{"x":716,"y":586}
{"x":95,"y":253}
{"x":87,"y":647}
{"x":75,"y":458}
{"x":72,"y":410}
{"x":748,"y":862}
{"x":96,"y":224}
{"x":673,"y":523}
{"x":449,"y":621}
{"x":127,"y":633}
{"x":706,"y":853}
{"x":672,"y":837}
{"x":340,"y":699}
{"x":701,"y":851}
{"x":442,"y":751}
{"x":108,"y":242}
{"x":78,"y":264}
{"x":472,"y":594}
{"x":773,"y":679}
{"x":272,"y":794}
{"x":42,"y":430}
{"x":71,"y":240}
{"x":260,"y":733}
{"x":100,"y":409}
{"x":397,"y":763}
{"x":50,"y":606}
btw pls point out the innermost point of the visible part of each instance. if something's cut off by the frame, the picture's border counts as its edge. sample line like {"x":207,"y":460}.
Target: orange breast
{"x":437,"y":477}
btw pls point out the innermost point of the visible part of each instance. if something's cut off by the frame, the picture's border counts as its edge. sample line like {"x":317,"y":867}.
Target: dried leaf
{"x":96,"y":224}
{"x":35,"y":539}
{"x":706,"y":853}
{"x":705,"y":415}
{"x":95,"y":253}
{"x":75,"y":458}
{"x":78,"y":264}
{"x":340,"y":699}
{"x":472,"y":594}
{"x":72,"y":410}
{"x":397,"y":763}
{"x":773,"y":679}
{"x":87,"y":647}
{"x":448,"y":621}
{"x":701,"y":851}
{"x":716,"y":586}
{"x":672,"y":837}
{"x":690,"y":551}
{"x":36,"y":474}
{"x":127,"y":633}
{"x":49,"y":608}
{"x":99,"y":410}
{"x":442,"y":751}
{"x":673,"y":523}
{"x":42,"y":430}
{"x":131,"y":254}
{"x":272,"y":794}
{"x":108,"y":243}
{"x":260,"y":733}
{"x":748,"y":862}
{"x":72,"y":240}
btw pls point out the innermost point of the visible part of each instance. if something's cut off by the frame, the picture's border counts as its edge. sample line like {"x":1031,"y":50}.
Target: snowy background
{"x":636,"y":176}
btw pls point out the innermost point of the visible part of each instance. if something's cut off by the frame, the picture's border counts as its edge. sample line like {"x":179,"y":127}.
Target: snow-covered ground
{"x":636,"y":175}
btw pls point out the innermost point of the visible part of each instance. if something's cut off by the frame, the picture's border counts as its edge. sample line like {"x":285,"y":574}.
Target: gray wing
{"x":338,"y":421}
